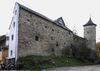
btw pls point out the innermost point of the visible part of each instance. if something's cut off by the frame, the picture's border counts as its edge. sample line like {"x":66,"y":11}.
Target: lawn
{"x":44,"y":62}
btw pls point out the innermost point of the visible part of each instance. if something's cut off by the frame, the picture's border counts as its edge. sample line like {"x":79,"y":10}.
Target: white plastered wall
{"x":13,"y":44}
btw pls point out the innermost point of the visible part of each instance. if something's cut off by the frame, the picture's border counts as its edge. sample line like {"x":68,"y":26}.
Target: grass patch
{"x":44,"y":62}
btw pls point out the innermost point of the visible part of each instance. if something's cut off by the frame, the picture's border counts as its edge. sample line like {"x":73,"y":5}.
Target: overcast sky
{"x":75,"y":13}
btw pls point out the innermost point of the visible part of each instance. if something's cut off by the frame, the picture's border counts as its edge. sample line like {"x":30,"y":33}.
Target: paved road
{"x":79,"y":68}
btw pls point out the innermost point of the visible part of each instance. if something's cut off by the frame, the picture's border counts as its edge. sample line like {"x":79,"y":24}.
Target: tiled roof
{"x":89,"y":23}
{"x":3,"y":37}
{"x":61,"y":23}
{"x":42,"y":16}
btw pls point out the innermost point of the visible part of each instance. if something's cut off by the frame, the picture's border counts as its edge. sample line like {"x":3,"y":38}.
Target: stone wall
{"x":79,"y":45}
{"x":90,"y":35}
{"x":79,"y":41}
{"x":80,"y":49}
{"x":38,"y":36}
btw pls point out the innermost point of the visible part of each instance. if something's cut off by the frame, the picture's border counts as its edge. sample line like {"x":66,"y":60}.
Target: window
{"x":11,"y":52}
{"x":12,"y":37}
{"x":87,"y":32}
{"x":52,"y":49}
{"x":36,"y":38}
{"x":14,"y":24}
{"x":52,"y":38}
{"x":15,"y":12}
{"x":57,"y":44}
{"x":46,"y":27}
{"x":52,"y":29}
{"x":28,"y":20}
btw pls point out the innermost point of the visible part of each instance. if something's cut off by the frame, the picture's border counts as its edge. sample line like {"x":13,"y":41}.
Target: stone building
{"x":34,"y":34}
{"x":90,"y":34}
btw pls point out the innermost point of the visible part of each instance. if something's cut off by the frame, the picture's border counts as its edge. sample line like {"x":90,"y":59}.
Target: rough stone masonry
{"x":39,"y":35}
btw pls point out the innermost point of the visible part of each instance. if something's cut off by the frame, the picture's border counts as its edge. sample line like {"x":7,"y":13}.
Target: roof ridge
{"x":40,"y":15}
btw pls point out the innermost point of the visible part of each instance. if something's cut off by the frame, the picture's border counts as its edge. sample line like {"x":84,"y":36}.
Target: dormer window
{"x":60,"y":21}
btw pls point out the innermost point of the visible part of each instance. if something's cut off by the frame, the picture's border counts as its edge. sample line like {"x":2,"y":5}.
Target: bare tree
{"x":74,"y":30}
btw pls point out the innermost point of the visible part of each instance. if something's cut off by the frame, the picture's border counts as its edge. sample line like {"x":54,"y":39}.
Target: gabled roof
{"x":42,"y":16}
{"x":89,"y":23}
{"x":3,"y":37}
{"x":60,"y":22}
{"x":32,"y":11}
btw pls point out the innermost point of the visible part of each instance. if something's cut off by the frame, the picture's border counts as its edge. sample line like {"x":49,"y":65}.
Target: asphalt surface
{"x":78,"y":68}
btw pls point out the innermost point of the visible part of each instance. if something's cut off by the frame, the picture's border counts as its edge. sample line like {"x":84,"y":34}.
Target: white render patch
{"x":13,"y":35}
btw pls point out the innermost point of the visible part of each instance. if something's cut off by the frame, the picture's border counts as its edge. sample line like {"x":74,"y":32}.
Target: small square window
{"x":52,"y":49}
{"x":52,"y":29}
{"x":36,"y":38}
{"x":57,"y":44}
{"x":28,"y":20}
{"x":46,"y":27}
{"x":87,"y":32}
{"x":52,"y":38}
